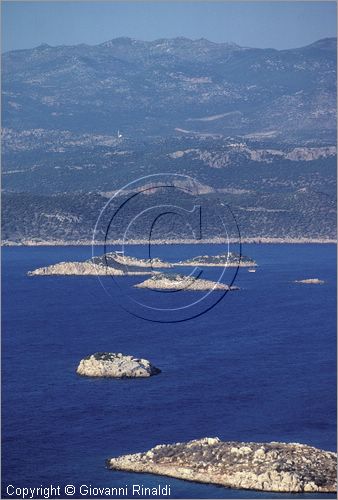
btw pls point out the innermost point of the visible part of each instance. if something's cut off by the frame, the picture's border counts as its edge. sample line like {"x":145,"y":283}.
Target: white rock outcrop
{"x":74,"y":269}
{"x":311,"y":281}
{"x":127,"y":260}
{"x":160,"y":281}
{"x":115,"y":365}
{"x":230,"y":259}
{"x":86,"y":268}
{"x":278,"y":467}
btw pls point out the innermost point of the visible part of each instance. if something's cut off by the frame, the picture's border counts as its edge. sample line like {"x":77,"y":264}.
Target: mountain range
{"x":154,"y":87}
{"x":254,"y":126}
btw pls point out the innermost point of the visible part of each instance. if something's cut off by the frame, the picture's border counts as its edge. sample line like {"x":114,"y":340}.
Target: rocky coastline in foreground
{"x":274,"y":467}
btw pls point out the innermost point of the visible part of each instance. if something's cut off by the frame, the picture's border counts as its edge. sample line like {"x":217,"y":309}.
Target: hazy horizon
{"x":276,"y":25}
{"x":229,"y":42}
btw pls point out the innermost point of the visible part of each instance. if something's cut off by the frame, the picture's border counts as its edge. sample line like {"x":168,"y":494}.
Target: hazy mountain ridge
{"x":151,"y":87}
{"x":256,"y":127}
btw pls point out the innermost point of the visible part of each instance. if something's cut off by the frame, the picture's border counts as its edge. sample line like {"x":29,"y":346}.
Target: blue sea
{"x":259,"y":366}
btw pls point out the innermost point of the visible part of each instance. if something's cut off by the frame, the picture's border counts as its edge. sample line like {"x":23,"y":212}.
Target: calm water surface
{"x":260,"y":366}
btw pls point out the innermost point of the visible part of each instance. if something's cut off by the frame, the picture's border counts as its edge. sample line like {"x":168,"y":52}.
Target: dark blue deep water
{"x":260,"y":366}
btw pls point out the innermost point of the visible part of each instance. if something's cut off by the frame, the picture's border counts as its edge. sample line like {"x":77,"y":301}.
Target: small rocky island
{"x":161,"y":281}
{"x":114,"y":258}
{"x":115,"y":365}
{"x":97,"y":266}
{"x":110,"y":264}
{"x":311,"y":281}
{"x":275,"y":467}
{"x":230,"y":259}
{"x":87,"y":268}
{"x":119,"y":264}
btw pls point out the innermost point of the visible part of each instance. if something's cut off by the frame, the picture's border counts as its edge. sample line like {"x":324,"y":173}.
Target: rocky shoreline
{"x":216,"y":241}
{"x":115,"y":365}
{"x":274,"y":467}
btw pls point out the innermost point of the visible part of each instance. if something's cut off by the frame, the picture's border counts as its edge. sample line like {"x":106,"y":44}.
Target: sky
{"x":279,"y":25}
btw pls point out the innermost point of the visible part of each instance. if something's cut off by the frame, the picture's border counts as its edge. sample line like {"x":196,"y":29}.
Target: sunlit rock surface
{"x":161,"y":281}
{"x":118,"y":258}
{"x":282,"y":467}
{"x":230,"y":259}
{"x":115,"y":365}
{"x":75,"y":269}
{"x":311,"y":281}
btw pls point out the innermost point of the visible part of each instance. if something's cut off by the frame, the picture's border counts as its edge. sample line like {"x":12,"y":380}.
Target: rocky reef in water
{"x":160,"y":281}
{"x":230,"y":259}
{"x":275,"y":467}
{"x":311,"y":281}
{"x":115,"y":365}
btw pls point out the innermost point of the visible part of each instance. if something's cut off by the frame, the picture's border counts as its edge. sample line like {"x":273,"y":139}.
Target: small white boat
{"x":251,"y":270}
